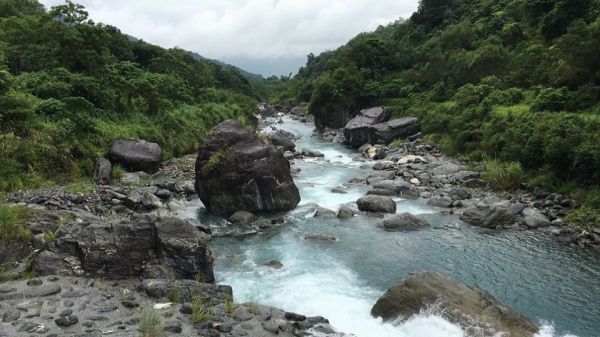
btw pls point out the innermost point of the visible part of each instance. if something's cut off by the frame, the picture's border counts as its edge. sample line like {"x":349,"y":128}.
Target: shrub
{"x":12,"y":223}
{"x":200,"y":311}
{"x":584,"y":218}
{"x":550,"y":99}
{"x":117,"y":172}
{"x":506,"y":176}
{"x":150,"y":324}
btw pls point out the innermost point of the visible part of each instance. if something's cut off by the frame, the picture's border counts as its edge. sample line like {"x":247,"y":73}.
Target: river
{"x":555,"y":285}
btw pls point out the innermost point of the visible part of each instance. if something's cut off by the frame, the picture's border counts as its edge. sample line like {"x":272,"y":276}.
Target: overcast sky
{"x":262,"y":36}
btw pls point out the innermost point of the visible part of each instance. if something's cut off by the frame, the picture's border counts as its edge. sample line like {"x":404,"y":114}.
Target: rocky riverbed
{"x":115,"y":248}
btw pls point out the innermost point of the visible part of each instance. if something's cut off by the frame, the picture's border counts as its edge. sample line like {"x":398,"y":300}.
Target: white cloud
{"x":247,"y":29}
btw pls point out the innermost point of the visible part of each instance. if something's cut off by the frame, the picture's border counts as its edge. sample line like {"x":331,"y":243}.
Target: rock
{"x":270,"y":326}
{"x":242,"y":218}
{"x":376,"y":203}
{"x":324,"y":213}
{"x":488,"y":216}
{"x":410,"y":159}
{"x":440,"y":202}
{"x":534,"y":219}
{"x":383,"y":165}
{"x":10,"y":315}
{"x":345,"y":212}
{"x":102,"y":171}
{"x":136,"y":155}
{"x":173,"y":327}
{"x":459,"y":303}
{"x":357,"y":130}
{"x":294,"y":317}
{"x":320,"y":237}
{"x":43,"y":290}
{"x":236,"y":171}
{"x":124,"y":249}
{"x":66,"y":321}
{"x":241,"y":313}
{"x":273,"y":264}
{"x":187,"y":290}
{"x":312,"y":153}
{"x":282,"y":141}
{"x":130,"y":178}
{"x":459,"y":194}
{"x":142,"y":199}
{"x":335,"y":119}
{"x":387,"y":132}
{"x":398,"y":187}
{"x":404,"y":221}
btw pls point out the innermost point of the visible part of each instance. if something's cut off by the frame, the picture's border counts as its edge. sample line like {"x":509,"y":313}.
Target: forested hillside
{"x":69,"y":87}
{"x":516,"y":80}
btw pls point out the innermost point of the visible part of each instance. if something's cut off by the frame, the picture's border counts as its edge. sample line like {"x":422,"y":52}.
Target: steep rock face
{"x":136,"y":155}
{"x":127,"y":249}
{"x":385,"y":133}
{"x":333,"y":119}
{"x":475,"y":310}
{"x":357,"y":132}
{"x":236,"y":171}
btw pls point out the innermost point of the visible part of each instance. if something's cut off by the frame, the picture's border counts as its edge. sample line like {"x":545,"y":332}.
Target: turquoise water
{"x":557,"y":286}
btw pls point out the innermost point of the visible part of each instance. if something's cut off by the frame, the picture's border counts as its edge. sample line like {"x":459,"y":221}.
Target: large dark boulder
{"x":400,"y":128}
{"x":136,"y":155}
{"x":128,"y":248}
{"x":236,"y":171}
{"x":475,"y":310}
{"x":357,"y":132}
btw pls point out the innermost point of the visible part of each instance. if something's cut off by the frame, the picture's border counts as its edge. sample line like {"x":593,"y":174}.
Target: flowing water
{"x":555,"y":285}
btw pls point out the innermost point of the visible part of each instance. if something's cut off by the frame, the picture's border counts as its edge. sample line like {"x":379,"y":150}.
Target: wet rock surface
{"x":475,"y":310}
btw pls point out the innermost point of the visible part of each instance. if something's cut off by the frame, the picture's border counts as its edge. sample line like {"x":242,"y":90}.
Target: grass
{"x":49,"y":237}
{"x":117,"y":172}
{"x":229,"y":305}
{"x":253,"y":307}
{"x":503,"y":176}
{"x":174,"y":294}
{"x":584,"y":218}
{"x":12,"y":223}
{"x":200,"y":311}
{"x":150,"y":324}
{"x":80,"y":187}
{"x":518,"y":109}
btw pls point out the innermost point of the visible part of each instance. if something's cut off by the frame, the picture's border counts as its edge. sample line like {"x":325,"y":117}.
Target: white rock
{"x":162,"y":306}
{"x":415,"y":181}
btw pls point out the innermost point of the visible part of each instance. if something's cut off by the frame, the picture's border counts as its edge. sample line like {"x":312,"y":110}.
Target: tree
{"x":70,"y":13}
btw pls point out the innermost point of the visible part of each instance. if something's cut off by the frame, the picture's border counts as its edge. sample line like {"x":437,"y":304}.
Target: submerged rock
{"x":242,"y":218}
{"x":473,"y":309}
{"x":404,"y":221}
{"x":236,"y":171}
{"x":136,"y":155}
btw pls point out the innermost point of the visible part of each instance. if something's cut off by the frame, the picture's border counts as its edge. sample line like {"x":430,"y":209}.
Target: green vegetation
{"x":80,"y":187}
{"x":117,"y":172}
{"x":174,"y":294}
{"x":503,"y":176}
{"x":229,"y":304}
{"x":213,"y":161}
{"x":200,"y":311}
{"x":515,"y":80}
{"x":150,"y":324}
{"x":12,"y":223}
{"x":69,"y":87}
